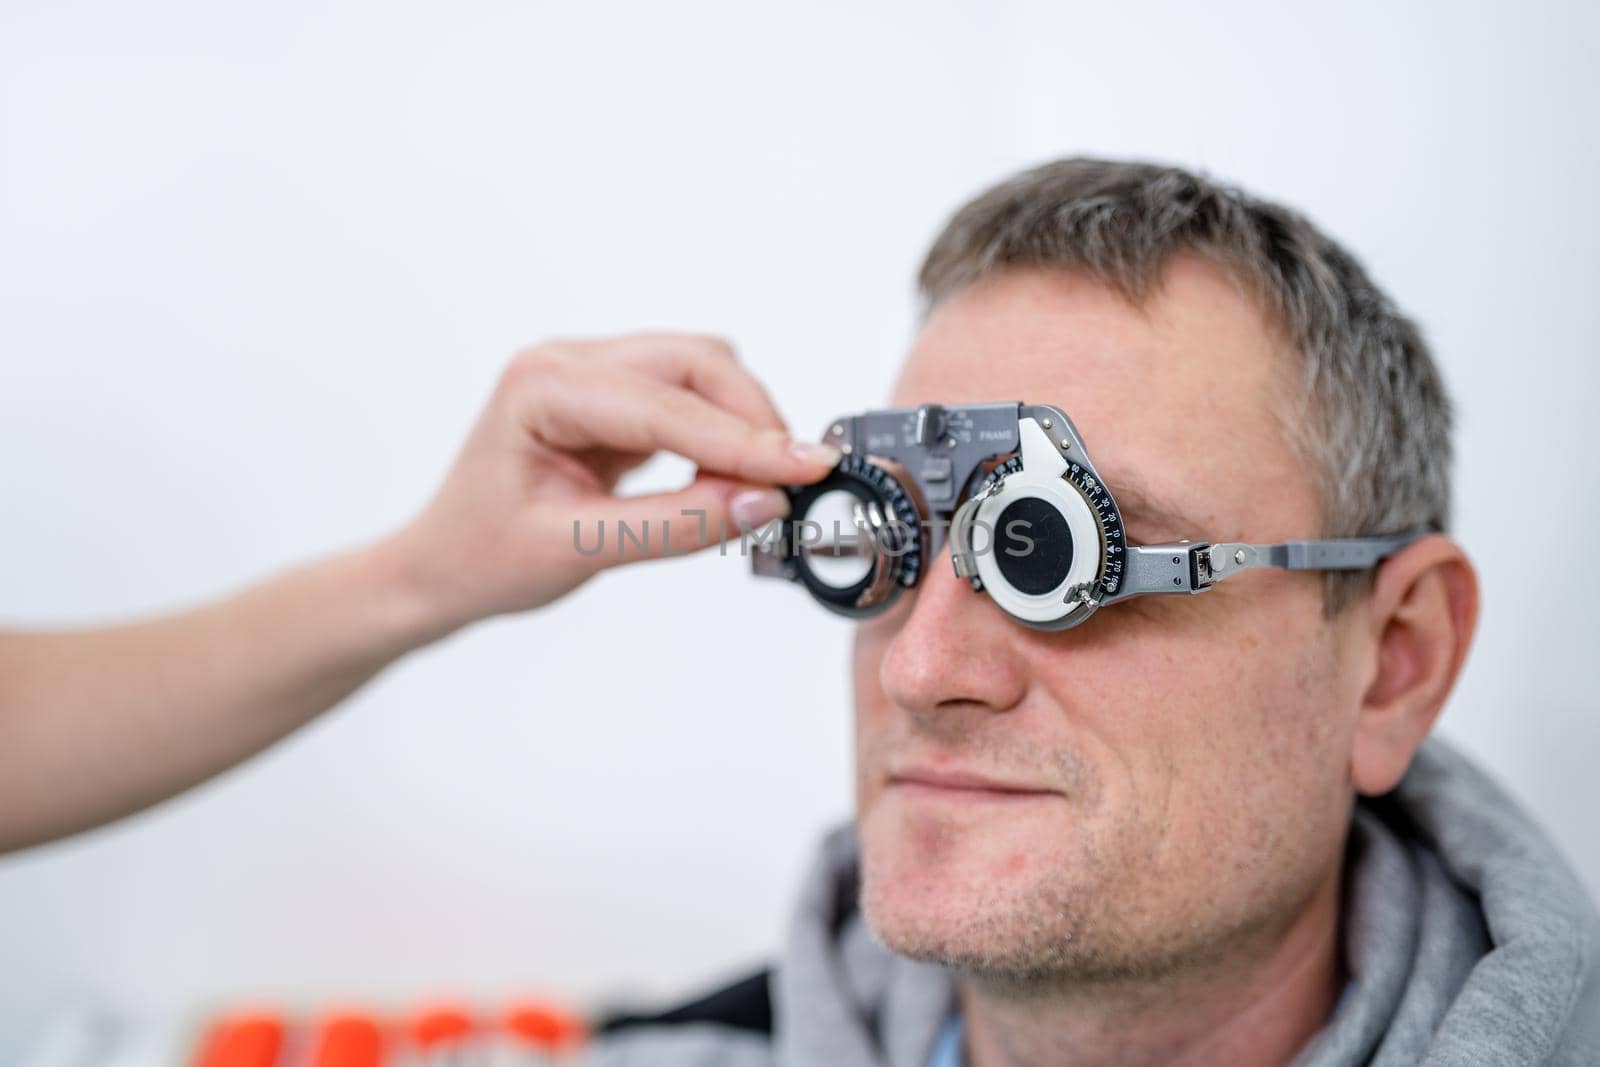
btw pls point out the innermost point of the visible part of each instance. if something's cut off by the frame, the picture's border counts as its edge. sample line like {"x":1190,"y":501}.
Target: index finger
{"x":702,"y":364}
{"x":592,"y":405}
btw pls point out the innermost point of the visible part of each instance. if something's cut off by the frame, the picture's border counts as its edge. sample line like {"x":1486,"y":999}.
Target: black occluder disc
{"x":1033,"y":547}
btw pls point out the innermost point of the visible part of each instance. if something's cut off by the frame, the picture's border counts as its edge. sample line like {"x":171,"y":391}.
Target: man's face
{"x":1188,"y":756}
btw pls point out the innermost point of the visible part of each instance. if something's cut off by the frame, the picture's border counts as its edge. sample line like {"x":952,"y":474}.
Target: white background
{"x":260,"y":263}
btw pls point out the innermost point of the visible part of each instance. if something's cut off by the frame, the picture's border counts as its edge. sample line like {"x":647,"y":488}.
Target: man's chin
{"x":941,"y":848}
{"x":951,"y":892}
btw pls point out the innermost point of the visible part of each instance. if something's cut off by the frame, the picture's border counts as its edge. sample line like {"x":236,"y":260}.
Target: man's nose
{"x":954,"y":647}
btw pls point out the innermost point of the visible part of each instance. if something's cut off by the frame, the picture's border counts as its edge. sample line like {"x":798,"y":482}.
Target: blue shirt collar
{"x":947,"y":1049}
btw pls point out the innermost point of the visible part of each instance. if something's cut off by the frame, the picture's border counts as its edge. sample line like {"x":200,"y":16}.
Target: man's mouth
{"x":959,"y":785}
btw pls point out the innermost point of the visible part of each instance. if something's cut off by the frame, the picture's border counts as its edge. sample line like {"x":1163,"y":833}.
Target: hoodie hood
{"x":1470,"y":941}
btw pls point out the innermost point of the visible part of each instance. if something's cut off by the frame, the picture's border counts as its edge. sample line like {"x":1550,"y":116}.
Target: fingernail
{"x":754,"y":507}
{"x":815,"y":452}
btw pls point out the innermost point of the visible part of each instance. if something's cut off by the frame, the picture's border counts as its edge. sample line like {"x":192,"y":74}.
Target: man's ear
{"x":1420,"y":616}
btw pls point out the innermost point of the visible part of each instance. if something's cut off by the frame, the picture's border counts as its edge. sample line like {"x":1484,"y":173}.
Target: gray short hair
{"x":1374,"y":419}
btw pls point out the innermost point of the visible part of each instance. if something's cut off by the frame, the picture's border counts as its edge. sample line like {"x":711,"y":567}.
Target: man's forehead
{"x":1179,"y":400}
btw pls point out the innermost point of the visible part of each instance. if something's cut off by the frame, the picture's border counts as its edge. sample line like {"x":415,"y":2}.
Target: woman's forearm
{"x":99,"y":723}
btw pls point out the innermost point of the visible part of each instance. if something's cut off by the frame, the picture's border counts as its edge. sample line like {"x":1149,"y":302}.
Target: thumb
{"x":707,"y":511}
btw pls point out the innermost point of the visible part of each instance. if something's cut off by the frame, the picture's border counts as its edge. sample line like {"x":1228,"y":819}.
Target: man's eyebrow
{"x":1149,"y":512}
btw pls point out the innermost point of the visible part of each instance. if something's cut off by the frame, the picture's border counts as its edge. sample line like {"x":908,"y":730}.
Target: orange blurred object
{"x":243,"y":1041}
{"x":546,"y":1026}
{"x":348,"y":1040}
{"x":442,"y":1024}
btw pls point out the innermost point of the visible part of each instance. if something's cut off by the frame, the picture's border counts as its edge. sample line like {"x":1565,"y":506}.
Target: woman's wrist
{"x":410,"y":606}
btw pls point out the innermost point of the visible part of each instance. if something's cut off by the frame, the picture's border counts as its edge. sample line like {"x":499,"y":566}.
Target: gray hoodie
{"x":1471,"y":942}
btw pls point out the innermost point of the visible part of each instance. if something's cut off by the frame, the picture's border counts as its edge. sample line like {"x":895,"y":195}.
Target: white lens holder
{"x":1042,"y":477}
